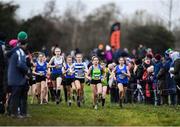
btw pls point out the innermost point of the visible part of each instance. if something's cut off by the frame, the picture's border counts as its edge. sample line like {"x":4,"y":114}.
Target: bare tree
{"x":170,"y":8}
{"x":50,"y":10}
{"x":73,"y":17}
{"x":170,"y":14}
{"x":78,"y":9}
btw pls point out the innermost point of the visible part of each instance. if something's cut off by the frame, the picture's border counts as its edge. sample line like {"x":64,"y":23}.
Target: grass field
{"x":131,"y":114}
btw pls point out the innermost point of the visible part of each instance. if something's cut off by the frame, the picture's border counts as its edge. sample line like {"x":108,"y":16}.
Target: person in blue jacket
{"x":17,"y":80}
{"x":175,"y":71}
{"x":157,"y":67}
{"x":171,"y":85}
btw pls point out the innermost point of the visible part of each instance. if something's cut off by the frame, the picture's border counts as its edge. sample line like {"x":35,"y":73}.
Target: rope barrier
{"x":154,"y":89}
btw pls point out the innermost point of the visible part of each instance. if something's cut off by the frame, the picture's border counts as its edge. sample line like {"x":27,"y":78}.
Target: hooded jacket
{"x":175,"y":56}
{"x":17,"y":68}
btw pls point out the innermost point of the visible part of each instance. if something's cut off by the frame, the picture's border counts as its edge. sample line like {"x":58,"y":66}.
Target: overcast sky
{"x":29,"y":8}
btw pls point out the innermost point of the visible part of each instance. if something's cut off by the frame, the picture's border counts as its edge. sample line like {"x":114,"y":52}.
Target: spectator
{"x":108,"y":55}
{"x":100,"y":52}
{"x":2,"y":73}
{"x":149,"y":51}
{"x":133,"y":54}
{"x":157,"y":66}
{"x":141,"y":51}
{"x":12,"y":44}
{"x":147,"y":80}
{"x":161,"y":81}
{"x":45,"y":51}
{"x":170,"y":83}
{"x":125,"y":53}
{"x":175,"y":56}
{"x":139,"y":70}
{"x":132,"y":82}
{"x":17,"y":72}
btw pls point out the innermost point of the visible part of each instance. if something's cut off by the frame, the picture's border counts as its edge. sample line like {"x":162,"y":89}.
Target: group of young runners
{"x":74,"y":73}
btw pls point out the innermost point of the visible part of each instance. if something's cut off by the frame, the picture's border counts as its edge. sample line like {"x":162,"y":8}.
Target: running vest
{"x":41,"y":68}
{"x":121,"y":78}
{"x":80,"y":69}
{"x":96,"y":73}
{"x":57,"y":61}
{"x":106,"y":79}
{"x":68,"y":73}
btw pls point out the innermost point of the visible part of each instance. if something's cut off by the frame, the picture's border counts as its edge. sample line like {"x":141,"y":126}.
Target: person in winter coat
{"x":175,"y":56}
{"x":148,"y":80}
{"x":12,"y":44}
{"x":132,"y":83}
{"x":100,"y":52}
{"x":148,"y":84}
{"x":141,"y":51}
{"x":2,"y":73}
{"x":108,"y":55}
{"x":157,"y":66}
{"x":171,"y":85}
{"x":139,"y":70}
{"x":17,"y":80}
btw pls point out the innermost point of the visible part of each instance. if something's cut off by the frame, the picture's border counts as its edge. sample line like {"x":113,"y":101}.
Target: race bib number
{"x":58,"y":66}
{"x":80,"y":73}
{"x":121,"y":76}
{"x":96,"y":77}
